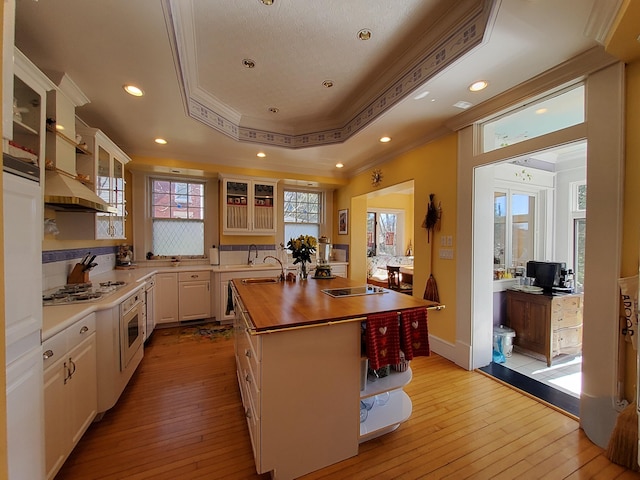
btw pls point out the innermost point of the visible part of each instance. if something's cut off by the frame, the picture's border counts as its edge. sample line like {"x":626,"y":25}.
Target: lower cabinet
{"x":544,"y":324}
{"x":194,"y":295}
{"x":221,"y":279}
{"x":182,"y":296}
{"x":166,"y":298}
{"x":70,"y":390}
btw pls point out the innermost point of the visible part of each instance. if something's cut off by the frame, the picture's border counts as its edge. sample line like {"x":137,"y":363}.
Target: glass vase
{"x":303,"y":273}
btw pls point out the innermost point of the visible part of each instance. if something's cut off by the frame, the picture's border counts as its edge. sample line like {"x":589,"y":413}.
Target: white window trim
{"x":401,"y":226}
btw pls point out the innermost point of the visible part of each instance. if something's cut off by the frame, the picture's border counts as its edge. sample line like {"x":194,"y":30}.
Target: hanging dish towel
{"x":383,"y":339}
{"x":415,"y":333}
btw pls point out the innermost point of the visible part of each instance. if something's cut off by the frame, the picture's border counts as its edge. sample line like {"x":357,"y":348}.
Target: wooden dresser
{"x":544,"y":324}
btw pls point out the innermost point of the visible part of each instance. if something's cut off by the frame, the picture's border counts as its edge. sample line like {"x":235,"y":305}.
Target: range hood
{"x":63,"y":192}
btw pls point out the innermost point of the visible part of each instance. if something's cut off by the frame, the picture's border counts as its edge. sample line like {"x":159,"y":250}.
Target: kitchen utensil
{"x":89,"y":267}
{"x":91,"y":260}
{"x":85,"y":258}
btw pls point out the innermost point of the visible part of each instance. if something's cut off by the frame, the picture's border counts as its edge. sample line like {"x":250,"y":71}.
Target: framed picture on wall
{"x":343,"y":221}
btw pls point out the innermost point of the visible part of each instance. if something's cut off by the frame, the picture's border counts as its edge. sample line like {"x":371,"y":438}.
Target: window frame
{"x":322,"y":215}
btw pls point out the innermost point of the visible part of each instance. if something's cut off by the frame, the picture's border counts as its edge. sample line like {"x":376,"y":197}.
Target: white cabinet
{"x":339,"y":269}
{"x":105,"y":169}
{"x":248,"y":206}
{"x":70,"y":390}
{"x":22,"y":219}
{"x":166,"y":298}
{"x":194,"y":295}
{"x":150,"y":306}
{"x":282,"y":410}
{"x":222,"y":298}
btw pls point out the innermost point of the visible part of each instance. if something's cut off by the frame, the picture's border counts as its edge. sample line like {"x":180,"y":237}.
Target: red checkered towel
{"x":383,"y":339}
{"x":414,"y":333}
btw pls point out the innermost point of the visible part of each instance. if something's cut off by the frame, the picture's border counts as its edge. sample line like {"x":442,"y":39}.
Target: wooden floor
{"x":181,"y":418}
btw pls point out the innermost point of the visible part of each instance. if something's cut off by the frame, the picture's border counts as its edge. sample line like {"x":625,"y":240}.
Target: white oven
{"x":131,"y":327}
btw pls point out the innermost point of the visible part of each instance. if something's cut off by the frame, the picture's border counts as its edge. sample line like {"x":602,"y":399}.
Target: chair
{"x":394,"y":280}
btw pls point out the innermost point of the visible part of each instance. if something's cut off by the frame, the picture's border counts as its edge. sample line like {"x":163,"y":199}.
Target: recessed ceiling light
{"x":540,"y":111}
{"x":463,"y":105}
{"x":274,"y":109}
{"x":420,"y":96}
{"x":339,"y":165}
{"x":261,"y":154}
{"x":477,"y":86}
{"x":248,"y":63}
{"x":327,"y":83}
{"x":364,"y":34}
{"x":266,"y":2}
{"x":133,"y":90}
{"x":160,"y":141}
{"x":59,"y":127}
{"x":385,"y":139}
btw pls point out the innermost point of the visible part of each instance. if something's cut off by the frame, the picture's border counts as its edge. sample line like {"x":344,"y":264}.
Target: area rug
{"x":206,"y":332}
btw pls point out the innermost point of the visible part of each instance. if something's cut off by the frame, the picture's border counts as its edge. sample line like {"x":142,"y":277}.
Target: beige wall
{"x":433,"y":168}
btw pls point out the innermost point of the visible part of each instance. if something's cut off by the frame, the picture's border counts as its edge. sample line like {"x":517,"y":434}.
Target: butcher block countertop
{"x":282,"y":305}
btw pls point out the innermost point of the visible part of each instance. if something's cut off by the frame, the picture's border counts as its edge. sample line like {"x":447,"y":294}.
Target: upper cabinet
{"x":25,"y":138}
{"x":248,"y":206}
{"x":104,"y":167}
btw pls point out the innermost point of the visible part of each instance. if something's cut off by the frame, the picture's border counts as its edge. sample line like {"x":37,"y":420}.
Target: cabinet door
{"x":83,"y":389}
{"x":103,"y":189}
{"x":236,"y":206}
{"x":248,"y":206}
{"x":195,"y":300}
{"x":263,"y":207}
{"x":166,"y":299}
{"x":57,"y":443}
{"x":224,"y":296}
{"x":117,"y":199}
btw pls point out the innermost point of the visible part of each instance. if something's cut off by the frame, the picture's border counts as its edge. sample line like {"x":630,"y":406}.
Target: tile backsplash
{"x":57,"y":264}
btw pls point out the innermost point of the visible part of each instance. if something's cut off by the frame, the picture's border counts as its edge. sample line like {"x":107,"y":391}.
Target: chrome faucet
{"x":249,"y":261}
{"x":277,"y":260}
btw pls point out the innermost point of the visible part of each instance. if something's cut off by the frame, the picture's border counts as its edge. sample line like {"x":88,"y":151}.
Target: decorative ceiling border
{"x":464,"y":37}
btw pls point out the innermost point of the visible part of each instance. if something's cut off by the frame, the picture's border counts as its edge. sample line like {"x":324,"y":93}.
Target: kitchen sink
{"x":251,"y":281}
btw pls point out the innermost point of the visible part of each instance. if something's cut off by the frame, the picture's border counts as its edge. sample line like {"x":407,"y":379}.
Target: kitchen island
{"x":299,"y":367}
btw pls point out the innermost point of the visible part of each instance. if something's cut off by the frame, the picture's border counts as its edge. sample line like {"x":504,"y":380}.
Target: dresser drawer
{"x":567,"y":340}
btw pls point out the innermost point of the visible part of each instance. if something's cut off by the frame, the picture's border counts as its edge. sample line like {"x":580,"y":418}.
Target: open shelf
{"x":391,"y":382}
{"x":383,"y":419}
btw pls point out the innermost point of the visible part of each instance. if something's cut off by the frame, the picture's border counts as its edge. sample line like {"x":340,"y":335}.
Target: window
{"x":302,"y":213}
{"x":384,"y":233}
{"x":534,"y":120}
{"x":514,"y":228}
{"x":177,"y":212}
{"x":579,"y":215}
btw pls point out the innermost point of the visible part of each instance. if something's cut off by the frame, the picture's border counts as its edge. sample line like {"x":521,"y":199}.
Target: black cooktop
{"x":354,"y":291}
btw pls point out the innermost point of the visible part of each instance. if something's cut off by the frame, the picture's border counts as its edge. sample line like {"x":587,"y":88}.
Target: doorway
{"x":539,"y":204}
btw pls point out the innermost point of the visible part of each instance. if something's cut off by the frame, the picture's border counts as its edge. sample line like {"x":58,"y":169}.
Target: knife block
{"x":78,"y":275}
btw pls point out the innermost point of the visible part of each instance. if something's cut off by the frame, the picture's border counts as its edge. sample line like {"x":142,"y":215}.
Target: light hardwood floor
{"x":181,"y":418}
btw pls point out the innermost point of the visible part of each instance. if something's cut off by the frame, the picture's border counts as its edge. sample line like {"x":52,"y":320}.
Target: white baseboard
{"x":458,"y":353}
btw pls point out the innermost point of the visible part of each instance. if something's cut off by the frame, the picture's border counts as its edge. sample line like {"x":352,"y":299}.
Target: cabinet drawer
{"x":54,"y":349}
{"x":192,"y":276}
{"x":80,"y":331}
{"x":251,"y":362}
{"x":252,"y":390}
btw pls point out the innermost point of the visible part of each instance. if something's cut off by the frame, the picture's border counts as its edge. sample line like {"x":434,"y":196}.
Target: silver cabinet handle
{"x":47,"y":355}
{"x":247,"y":378}
{"x":247,"y":353}
{"x":247,"y":413}
{"x":84,"y":329}
{"x":194,"y":276}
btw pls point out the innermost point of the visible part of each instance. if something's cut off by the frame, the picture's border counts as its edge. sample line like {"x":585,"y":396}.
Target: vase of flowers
{"x":301,"y":249}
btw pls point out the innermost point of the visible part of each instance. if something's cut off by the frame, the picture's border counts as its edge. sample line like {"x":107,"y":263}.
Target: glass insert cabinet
{"x":248,"y":206}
